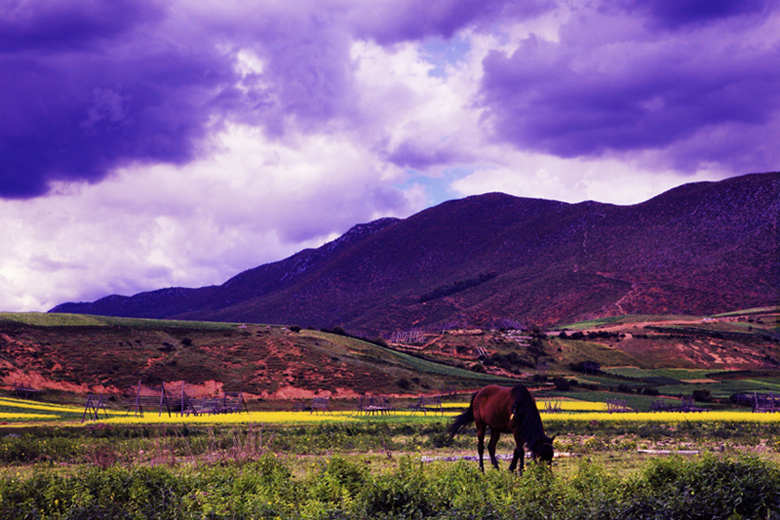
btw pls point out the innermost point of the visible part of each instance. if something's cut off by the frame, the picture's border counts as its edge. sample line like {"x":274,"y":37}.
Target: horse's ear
{"x":552,"y":438}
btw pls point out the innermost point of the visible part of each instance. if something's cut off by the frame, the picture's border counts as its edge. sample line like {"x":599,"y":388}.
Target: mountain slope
{"x":111,"y":355}
{"x":697,"y":249}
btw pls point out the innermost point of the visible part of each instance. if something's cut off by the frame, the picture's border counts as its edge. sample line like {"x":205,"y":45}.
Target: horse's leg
{"x":519,"y":454}
{"x":515,"y":456}
{"x":481,"y":445}
{"x":494,"y":435}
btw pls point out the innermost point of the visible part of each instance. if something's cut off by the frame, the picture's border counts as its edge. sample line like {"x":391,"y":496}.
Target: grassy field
{"x":342,"y":465}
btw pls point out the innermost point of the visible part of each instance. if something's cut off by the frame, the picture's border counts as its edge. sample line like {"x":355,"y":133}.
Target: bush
{"x":338,"y":479}
{"x":705,"y":489}
{"x":405,"y":493}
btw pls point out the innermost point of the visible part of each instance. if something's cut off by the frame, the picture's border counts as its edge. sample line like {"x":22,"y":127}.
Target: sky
{"x":147,"y":144}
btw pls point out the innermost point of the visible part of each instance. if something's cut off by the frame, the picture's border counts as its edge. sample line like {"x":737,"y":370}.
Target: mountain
{"x":701,"y":248}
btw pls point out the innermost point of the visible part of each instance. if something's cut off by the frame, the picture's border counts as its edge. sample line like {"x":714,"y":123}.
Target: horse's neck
{"x":533,"y":429}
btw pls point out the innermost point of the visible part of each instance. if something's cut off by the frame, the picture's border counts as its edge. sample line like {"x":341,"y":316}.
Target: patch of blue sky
{"x":442,"y":53}
{"x":437,"y":187}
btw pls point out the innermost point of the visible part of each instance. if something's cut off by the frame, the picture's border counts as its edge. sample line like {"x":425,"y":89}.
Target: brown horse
{"x":506,"y":410}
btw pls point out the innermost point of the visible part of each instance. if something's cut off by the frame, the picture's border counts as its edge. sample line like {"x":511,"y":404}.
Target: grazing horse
{"x":506,"y":410}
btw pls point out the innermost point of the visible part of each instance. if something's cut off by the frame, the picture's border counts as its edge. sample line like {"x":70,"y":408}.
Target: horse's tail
{"x":463,"y":419}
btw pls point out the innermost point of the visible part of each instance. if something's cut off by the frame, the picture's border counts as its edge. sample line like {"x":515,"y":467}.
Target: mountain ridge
{"x":699,"y":248}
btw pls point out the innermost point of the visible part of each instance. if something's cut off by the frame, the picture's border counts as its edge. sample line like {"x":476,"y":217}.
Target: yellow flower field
{"x":667,"y":417}
{"x":571,"y":405}
{"x":26,"y":416}
{"x":19,"y":412}
{"x":350,"y":416}
{"x":233,"y":418}
{"x":34,"y":405}
{"x":568,"y":405}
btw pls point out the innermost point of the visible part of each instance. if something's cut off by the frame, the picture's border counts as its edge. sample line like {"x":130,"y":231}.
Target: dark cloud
{"x":598,"y":91}
{"x":671,"y":15}
{"x":38,"y":24}
{"x":92,"y":91}
{"x":420,"y":157}
{"x":87,"y":87}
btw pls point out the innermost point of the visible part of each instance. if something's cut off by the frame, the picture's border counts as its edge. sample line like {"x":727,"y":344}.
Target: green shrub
{"x":709,"y":488}
{"x":404,"y":493}
{"x":336,"y":480}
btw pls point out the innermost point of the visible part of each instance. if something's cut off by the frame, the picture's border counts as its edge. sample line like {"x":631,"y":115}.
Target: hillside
{"x":110,"y":355}
{"x":79,"y":354}
{"x":699,"y":249}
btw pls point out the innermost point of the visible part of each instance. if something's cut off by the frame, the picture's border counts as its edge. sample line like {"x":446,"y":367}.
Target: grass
{"x":724,"y":389}
{"x":755,"y":310}
{"x":375,"y":469}
{"x":374,"y":351}
{"x":42,"y":319}
{"x":633,"y":318}
{"x":256,"y":359}
{"x":577,"y":351}
{"x":21,"y":411}
{"x":675,"y":374}
{"x":348,"y":466}
{"x":668,"y":417}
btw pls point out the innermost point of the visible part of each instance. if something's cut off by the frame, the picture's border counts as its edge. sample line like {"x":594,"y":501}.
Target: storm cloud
{"x":628,"y":88}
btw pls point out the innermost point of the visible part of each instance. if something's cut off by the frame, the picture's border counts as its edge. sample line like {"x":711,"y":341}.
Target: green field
{"x":398,"y":466}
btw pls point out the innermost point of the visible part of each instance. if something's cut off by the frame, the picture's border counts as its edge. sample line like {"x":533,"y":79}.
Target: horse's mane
{"x":527,"y":417}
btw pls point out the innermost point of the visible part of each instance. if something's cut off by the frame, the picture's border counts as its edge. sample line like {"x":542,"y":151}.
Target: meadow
{"x":275,"y":464}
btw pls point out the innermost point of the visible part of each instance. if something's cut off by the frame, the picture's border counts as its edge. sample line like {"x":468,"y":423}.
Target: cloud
{"x":150,"y":143}
{"x":674,"y":15}
{"x":92,"y":86}
{"x":76,"y":105}
{"x":37,"y":25}
{"x":535,"y":175}
{"x":146,"y":228}
{"x":408,"y":20}
{"x":611,"y":86}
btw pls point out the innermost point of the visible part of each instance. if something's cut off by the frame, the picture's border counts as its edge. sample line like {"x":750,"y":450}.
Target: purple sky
{"x":155,"y":143}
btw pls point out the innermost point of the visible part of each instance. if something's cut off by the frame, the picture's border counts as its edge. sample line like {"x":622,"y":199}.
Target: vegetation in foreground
{"x":376,"y":470}
{"x":337,"y":488}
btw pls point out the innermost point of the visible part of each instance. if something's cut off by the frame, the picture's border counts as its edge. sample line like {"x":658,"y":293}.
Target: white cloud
{"x":572,"y":180}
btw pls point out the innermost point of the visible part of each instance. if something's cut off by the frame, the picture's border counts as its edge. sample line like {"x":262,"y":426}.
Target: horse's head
{"x":544,"y":449}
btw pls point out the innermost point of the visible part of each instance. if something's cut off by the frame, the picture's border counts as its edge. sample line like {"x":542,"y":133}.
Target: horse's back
{"x":493,"y":407}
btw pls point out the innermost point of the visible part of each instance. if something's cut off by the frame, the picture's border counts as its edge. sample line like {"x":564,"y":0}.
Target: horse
{"x":506,"y":410}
